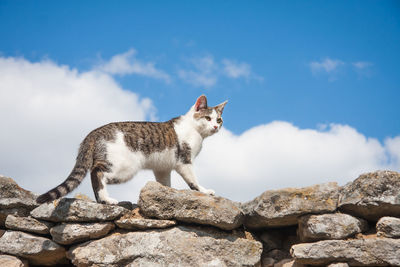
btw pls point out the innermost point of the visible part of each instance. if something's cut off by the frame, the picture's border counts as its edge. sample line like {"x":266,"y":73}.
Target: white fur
{"x":126,"y":163}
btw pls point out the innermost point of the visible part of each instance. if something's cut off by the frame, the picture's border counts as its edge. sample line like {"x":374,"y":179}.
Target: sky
{"x":313,"y":87}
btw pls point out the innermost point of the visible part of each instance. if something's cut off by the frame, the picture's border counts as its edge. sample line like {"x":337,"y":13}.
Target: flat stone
{"x":14,"y":199}
{"x":288,"y":263}
{"x":11,"y":261}
{"x":279,"y":208}
{"x":372,"y":196}
{"x":357,"y":252}
{"x":388,"y":227}
{"x":177,"y":246}
{"x":37,"y":250}
{"x":133,"y":220}
{"x":77,"y":210}
{"x":70,"y":233}
{"x":28,"y":224}
{"x":189,"y":206}
{"x":330,"y":226}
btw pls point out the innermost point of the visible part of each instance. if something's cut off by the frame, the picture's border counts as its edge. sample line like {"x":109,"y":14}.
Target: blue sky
{"x":311,"y":64}
{"x":279,"y":40}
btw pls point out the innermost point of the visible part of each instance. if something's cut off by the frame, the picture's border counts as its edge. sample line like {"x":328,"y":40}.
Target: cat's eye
{"x":219,"y":120}
{"x":207,"y":118}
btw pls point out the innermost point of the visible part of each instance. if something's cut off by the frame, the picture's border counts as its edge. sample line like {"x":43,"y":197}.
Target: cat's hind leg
{"x":99,"y":186}
{"x":163,"y":177}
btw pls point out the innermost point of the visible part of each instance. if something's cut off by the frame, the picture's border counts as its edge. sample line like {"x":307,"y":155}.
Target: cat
{"x":115,"y":152}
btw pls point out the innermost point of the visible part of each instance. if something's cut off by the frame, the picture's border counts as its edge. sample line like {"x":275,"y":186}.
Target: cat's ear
{"x":220,"y":107}
{"x":201,"y":103}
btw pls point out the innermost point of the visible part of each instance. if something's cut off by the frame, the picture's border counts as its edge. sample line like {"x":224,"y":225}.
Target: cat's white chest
{"x":187,"y":134}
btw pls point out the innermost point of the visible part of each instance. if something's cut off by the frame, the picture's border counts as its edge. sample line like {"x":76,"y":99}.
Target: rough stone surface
{"x":178,"y":246}
{"x":134,"y":220}
{"x":372,"y":195}
{"x":76,"y":210}
{"x":388,"y":227}
{"x":355,"y":252}
{"x":339,"y":264}
{"x":288,"y":263}
{"x":14,"y":200}
{"x":71,"y":233}
{"x":278,"y":208}
{"x":164,"y":202}
{"x":27,"y":224}
{"x":37,"y":250}
{"x":330,"y":226}
{"x":11,"y":261}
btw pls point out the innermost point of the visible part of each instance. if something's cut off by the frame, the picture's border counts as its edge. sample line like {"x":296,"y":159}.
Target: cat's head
{"x":207,"y":120}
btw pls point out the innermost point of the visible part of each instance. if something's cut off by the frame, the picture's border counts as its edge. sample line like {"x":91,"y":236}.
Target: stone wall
{"x":324,"y":225}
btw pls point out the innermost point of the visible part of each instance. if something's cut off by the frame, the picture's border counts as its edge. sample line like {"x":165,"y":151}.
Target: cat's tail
{"x":83,"y":163}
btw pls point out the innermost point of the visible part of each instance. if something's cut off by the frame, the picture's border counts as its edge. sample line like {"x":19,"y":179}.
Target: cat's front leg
{"x":186,"y":171}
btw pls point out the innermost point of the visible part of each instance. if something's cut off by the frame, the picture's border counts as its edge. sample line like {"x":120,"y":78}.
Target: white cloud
{"x":45,"y":112}
{"x":278,"y":155}
{"x":236,"y":70}
{"x":362,"y":65}
{"x":327,"y":65}
{"x":204,"y":73}
{"x":47,"y":109}
{"x":127,"y":63}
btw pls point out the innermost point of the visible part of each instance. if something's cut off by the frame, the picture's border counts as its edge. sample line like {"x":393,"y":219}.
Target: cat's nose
{"x":215,"y":127}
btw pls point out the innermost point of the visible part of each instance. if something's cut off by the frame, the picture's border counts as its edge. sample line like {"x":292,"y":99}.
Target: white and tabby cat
{"x":115,"y":152}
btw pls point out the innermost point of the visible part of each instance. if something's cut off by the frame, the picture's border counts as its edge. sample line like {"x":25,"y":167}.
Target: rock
{"x":339,"y":264}
{"x":71,"y":233}
{"x":14,"y":199}
{"x":372,"y":196}
{"x":37,"y":250}
{"x":359,"y":252}
{"x":164,"y":202}
{"x":11,"y":261}
{"x":330,"y":226}
{"x":388,"y":227}
{"x":76,"y":210}
{"x":28,"y":224}
{"x":288,"y":263}
{"x":127,"y":205}
{"x":178,"y":246}
{"x":278,"y":208}
{"x":133,"y":221}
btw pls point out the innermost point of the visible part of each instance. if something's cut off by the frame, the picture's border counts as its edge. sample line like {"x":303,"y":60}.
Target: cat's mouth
{"x":214,"y":131}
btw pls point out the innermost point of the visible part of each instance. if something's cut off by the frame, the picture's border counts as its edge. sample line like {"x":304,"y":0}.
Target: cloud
{"x":327,"y":65}
{"x":362,"y":65}
{"x":279,"y":154}
{"x":127,"y":63}
{"x":331,"y":67}
{"x":45,"y":112}
{"x":203,"y":74}
{"x":236,"y":70}
{"x":206,"y":72}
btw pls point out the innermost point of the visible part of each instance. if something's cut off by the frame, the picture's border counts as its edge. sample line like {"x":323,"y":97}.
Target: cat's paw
{"x":209,"y":192}
{"x":110,"y":201}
